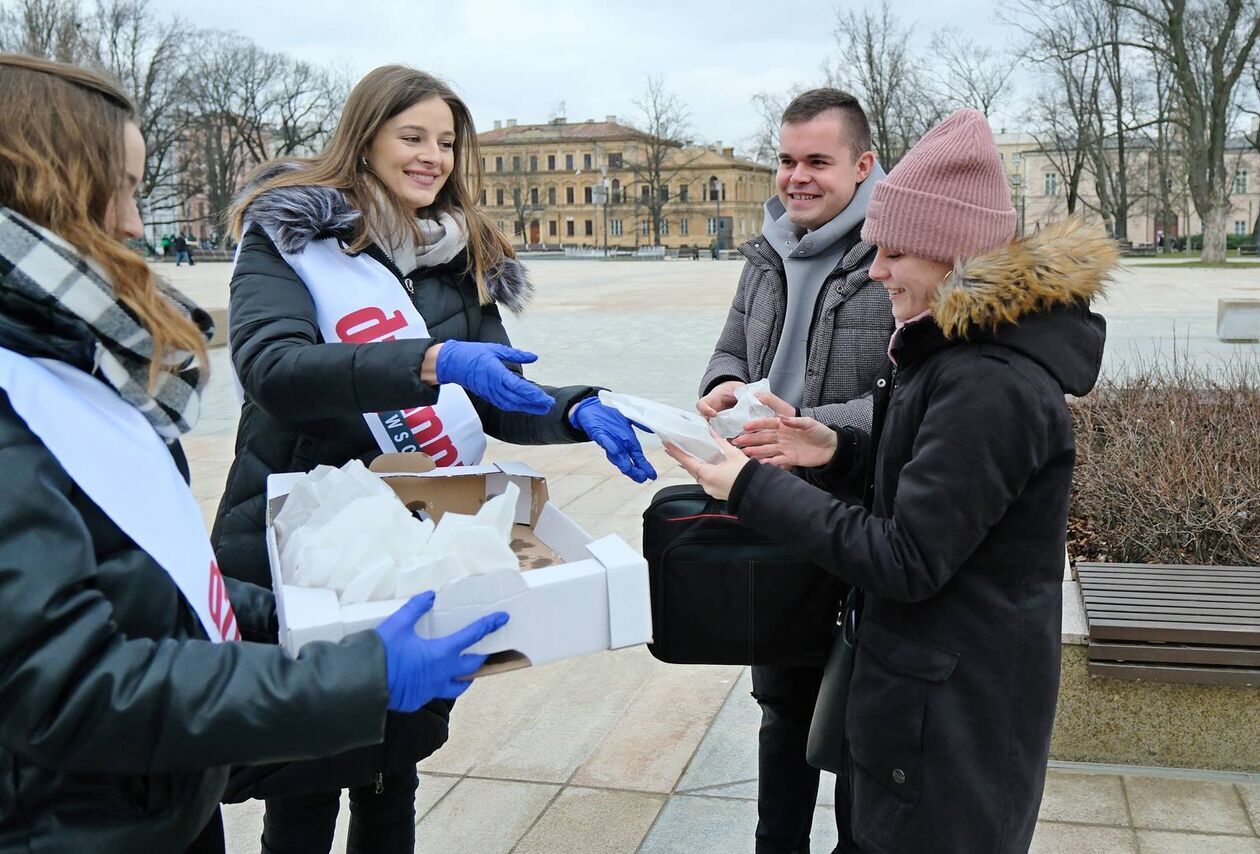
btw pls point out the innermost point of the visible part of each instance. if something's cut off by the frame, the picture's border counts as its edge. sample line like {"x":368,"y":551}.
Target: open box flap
{"x":629,"y":602}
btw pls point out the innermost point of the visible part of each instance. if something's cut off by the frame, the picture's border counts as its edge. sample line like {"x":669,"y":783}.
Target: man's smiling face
{"x":818,"y":169}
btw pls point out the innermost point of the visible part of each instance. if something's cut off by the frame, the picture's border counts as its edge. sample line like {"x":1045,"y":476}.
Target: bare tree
{"x":1207,"y":45}
{"x":148,"y":58}
{"x":52,"y":29}
{"x":657,"y":157}
{"x":524,"y":197}
{"x":974,"y":75}
{"x":764,"y":141}
{"x":877,"y":64}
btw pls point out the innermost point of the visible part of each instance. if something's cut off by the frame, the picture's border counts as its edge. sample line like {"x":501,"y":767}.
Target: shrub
{"x":1168,"y":466}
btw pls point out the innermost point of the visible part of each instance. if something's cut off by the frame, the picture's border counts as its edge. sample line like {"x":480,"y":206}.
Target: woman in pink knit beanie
{"x":958,"y":549}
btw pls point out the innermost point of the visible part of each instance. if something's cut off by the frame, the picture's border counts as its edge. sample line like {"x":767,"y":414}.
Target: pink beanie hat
{"x":948,"y":198}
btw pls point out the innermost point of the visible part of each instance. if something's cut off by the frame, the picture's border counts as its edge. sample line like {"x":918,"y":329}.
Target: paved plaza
{"x":615,"y":752}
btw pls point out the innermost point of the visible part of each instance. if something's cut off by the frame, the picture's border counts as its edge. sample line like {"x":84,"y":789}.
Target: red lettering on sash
{"x":430,"y":433}
{"x":221,"y":606}
{"x":442,"y":451}
{"x":365,"y":325}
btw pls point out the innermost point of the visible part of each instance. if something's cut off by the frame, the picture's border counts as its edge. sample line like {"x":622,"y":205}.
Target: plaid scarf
{"x":47,"y":271}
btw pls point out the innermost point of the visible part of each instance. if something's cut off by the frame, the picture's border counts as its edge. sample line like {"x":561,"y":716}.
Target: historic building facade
{"x":592,"y":184}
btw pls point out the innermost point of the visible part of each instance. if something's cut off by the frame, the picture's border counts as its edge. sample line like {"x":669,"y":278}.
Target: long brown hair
{"x":62,"y":163}
{"x":378,"y":97}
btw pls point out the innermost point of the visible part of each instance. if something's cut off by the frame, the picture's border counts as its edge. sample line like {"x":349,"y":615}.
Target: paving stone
{"x":432,"y":788}
{"x":1160,"y":803}
{"x":688,"y":825}
{"x":567,"y":722}
{"x":728,"y":753}
{"x":1168,"y":842}
{"x":485,"y":816}
{"x":1084,"y":798}
{"x":1251,"y":799}
{"x":1055,"y":838}
{"x":648,"y":747}
{"x":593,"y":821}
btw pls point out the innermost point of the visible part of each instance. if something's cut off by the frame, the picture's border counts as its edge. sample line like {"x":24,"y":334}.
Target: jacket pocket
{"x":890,"y":698}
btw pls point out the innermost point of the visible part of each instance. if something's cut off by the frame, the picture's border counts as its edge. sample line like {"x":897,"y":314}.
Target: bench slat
{"x":1174,"y":653}
{"x":1167,"y":673}
{"x":1172,"y":632}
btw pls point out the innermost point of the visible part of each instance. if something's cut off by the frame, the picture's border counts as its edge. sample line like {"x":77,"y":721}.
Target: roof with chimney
{"x":558,"y":130}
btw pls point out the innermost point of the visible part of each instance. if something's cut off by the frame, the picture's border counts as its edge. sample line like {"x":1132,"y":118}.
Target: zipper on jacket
{"x":411,"y":289}
{"x":380,"y":782}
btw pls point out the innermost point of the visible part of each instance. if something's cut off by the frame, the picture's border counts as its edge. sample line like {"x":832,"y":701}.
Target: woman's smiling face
{"x":414,"y":152}
{"x":910,"y":280}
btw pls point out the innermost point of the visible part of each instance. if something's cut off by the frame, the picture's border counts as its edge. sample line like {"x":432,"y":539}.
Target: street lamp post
{"x":717,"y":222}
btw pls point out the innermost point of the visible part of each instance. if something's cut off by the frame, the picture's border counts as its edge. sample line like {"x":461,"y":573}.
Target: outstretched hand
{"x":614,"y":432}
{"x":479,"y":368}
{"x":760,"y":439}
{"x":716,"y":478}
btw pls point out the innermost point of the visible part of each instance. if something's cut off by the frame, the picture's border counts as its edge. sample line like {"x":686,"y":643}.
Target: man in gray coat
{"x":807,"y":316}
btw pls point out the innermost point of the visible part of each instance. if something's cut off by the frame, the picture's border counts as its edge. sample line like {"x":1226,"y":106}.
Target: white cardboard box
{"x":574,"y":595}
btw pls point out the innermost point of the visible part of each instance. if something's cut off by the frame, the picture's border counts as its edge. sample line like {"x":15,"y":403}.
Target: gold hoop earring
{"x":363,"y":160}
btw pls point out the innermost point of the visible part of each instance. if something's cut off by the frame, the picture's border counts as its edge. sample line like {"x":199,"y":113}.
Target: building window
{"x":588,"y":194}
{"x":533,"y":195}
{"x":551,"y":163}
{"x":712,"y":225}
{"x":568,"y":228}
{"x":516,"y":196}
{"x":516,"y":163}
{"x":498,"y":164}
{"x":1050,"y":187}
{"x":568,"y":162}
{"x":717,"y":190}
{"x":1240,"y":226}
{"x":614,"y":227}
{"x":616,"y":192}
{"x":551,"y":228}
{"x":1240,"y":182}
{"x":664,"y":193}
{"x":551,"y":195}
{"x":590,"y":227}
{"x":647,"y":193}
{"x":533,"y":163}
{"x":682,"y":227}
{"x":682,"y":192}
{"x":498,"y":197}
{"x":614,"y":160}
{"x":664,"y":228}
{"x":483,"y":198}
{"x":516,"y":228}
{"x":483,"y":164}
{"x":568,"y":195}
{"x":586,"y":161}
{"x":645,"y":228}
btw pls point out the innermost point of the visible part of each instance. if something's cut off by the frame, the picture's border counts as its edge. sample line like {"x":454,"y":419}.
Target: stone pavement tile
{"x":593,"y":821}
{"x":728,"y":753}
{"x":569,"y":722}
{"x":1055,"y":838}
{"x":565,"y":489}
{"x":242,"y":826}
{"x":688,"y":825}
{"x":747,"y":790}
{"x":432,"y":788}
{"x":1084,"y":798}
{"x":651,"y":743}
{"x":619,"y":495}
{"x":1168,"y":842}
{"x":1251,"y":797}
{"x":1211,"y":806}
{"x":485,"y":816}
{"x":822,"y":834}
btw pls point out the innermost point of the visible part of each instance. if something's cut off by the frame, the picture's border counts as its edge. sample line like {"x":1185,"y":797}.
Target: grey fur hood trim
{"x":294,"y":216}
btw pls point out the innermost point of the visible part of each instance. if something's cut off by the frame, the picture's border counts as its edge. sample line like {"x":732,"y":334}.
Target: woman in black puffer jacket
{"x":367,"y":278}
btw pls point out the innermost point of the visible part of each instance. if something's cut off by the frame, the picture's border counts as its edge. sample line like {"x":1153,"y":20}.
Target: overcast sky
{"x":522,"y":60}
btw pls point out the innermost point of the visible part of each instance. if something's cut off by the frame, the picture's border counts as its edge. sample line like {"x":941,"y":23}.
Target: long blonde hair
{"x":378,"y":97}
{"x":62,"y":163}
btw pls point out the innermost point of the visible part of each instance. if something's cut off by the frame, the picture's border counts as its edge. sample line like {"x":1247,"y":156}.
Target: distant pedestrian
{"x":182,"y":252}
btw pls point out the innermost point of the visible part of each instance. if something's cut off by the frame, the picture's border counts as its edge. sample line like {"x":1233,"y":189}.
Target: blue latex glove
{"x":614,"y":432}
{"x":479,"y":369}
{"x":422,"y":669}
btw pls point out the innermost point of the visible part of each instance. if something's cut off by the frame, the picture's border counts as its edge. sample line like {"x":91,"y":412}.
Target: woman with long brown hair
{"x":130,"y":684}
{"x":365,"y":319}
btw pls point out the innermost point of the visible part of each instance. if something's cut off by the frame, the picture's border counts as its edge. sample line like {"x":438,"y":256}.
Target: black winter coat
{"x":961,"y":555}
{"x":118,"y":719}
{"x":304,"y":398}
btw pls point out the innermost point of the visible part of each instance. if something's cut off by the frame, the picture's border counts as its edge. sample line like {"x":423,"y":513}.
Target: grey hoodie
{"x":808,"y":256}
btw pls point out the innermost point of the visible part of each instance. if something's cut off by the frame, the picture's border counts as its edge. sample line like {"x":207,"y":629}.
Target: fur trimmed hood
{"x":1033,"y":296}
{"x":295,"y":216}
{"x":1066,"y":262}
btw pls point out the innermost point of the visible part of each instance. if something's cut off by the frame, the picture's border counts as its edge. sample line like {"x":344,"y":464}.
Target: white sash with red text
{"x":109,"y":449}
{"x":359,"y":301}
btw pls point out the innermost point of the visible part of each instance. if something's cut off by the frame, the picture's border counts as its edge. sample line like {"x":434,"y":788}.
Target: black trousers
{"x":381,"y":822}
{"x":787,"y":788}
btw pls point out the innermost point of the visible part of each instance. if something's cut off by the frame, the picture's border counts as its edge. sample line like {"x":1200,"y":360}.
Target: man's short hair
{"x":815,"y":102}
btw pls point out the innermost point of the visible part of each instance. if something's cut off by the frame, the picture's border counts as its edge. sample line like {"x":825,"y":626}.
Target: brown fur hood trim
{"x":1065,"y":262}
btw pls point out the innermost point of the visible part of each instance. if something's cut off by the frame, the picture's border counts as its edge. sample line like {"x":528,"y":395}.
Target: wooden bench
{"x":1249,"y":249}
{"x":1161,"y":623}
